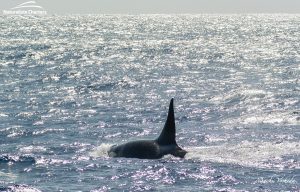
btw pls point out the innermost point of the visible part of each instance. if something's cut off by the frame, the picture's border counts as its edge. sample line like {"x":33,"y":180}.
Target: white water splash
{"x":101,"y":151}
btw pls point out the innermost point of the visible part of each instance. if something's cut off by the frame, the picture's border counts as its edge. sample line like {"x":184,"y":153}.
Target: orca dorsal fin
{"x":168,"y":134}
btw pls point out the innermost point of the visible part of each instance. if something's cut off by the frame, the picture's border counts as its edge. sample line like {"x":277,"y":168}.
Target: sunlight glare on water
{"x":72,"y":86}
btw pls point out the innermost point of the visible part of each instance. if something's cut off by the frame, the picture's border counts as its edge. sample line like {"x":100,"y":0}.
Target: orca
{"x":152,"y":149}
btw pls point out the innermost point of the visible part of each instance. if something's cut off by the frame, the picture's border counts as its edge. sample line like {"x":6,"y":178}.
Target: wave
{"x":249,"y":154}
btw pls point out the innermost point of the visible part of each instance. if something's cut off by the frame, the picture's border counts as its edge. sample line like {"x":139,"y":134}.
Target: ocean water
{"x":72,"y":86}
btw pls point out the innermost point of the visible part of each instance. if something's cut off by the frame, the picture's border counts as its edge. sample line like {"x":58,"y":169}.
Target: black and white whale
{"x":152,"y":149}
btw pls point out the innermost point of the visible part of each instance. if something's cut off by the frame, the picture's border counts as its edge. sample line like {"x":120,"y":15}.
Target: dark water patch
{"x":17,"y":160}
{"x":102,"y":87}
{"x":110,"y":86}
{"x":25,"y":47}
{"x":20,"y":52}
{"x":15,"y":57}
{"x":19,"y":188}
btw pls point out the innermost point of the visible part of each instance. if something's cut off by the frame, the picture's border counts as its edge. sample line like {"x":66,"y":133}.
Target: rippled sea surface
{"x":72,"y":86}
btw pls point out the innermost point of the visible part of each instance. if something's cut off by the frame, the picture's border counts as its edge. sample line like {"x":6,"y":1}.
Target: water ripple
{"x":73,"y":85}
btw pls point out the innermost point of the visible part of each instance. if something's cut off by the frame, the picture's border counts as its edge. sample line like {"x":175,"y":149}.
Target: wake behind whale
{"x":258,"y":154}
{"x":152,"y":149}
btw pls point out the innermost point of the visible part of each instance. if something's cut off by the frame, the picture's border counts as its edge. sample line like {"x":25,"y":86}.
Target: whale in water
{"x":152,"y":149}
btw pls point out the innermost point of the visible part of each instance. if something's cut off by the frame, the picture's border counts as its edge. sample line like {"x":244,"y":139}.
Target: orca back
{"x":152,"y":149}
